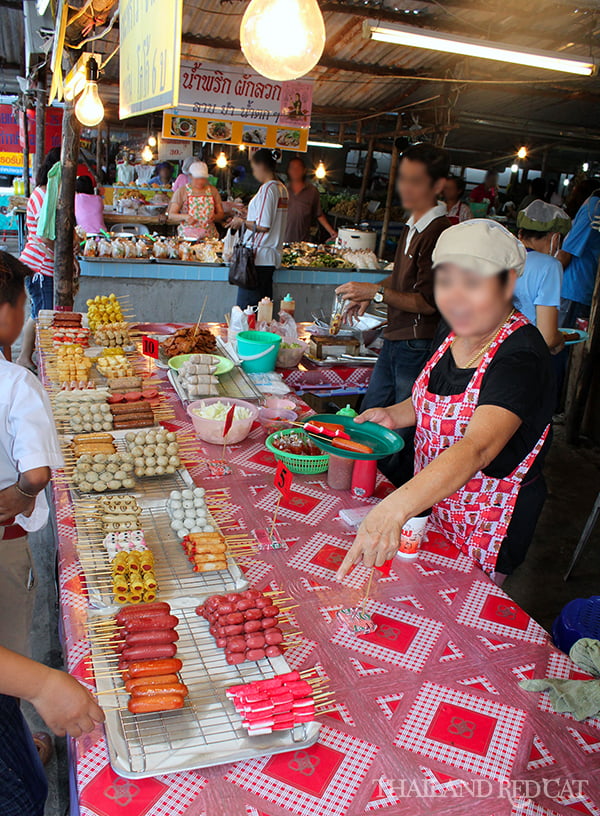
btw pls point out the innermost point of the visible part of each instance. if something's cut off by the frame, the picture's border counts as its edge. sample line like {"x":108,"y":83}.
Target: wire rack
{"x":207,"y":730}
{"x":176,"y":579}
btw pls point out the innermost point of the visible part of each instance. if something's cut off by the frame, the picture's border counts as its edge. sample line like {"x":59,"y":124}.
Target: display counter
{"x":176,"y":290}
{"x":426,"y":715}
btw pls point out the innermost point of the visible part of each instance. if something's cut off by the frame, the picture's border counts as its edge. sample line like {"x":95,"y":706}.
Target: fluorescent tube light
{"x":436,"y":41}
{"x":333,"y":145}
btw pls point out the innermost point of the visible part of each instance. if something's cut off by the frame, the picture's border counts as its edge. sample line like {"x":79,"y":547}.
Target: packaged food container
{"x":274,"y":420}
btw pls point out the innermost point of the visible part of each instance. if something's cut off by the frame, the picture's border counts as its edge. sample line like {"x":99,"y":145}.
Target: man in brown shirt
{"x":408,"y":291}
{"x":304,"y":205}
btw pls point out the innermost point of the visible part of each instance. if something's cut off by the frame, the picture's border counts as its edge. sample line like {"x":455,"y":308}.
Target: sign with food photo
{"x":223,"y":131}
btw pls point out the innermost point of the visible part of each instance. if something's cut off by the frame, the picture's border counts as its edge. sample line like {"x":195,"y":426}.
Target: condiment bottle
{"x":364,"y":477}
{"x":288,"y":304}
{"x":265,"y":311}
{"x":347,"y":411}
{"x":339,"y":472}
{"x":251,"y":315}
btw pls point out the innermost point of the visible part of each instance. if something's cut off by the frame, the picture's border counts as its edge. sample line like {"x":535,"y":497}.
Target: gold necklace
{"x":482,"y":351}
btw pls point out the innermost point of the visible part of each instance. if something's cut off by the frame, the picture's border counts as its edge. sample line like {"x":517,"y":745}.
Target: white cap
{"x":480,"y":245}
{"x":198,"y":169}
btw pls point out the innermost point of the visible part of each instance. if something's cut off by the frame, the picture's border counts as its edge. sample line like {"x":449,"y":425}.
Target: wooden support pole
{"x":26,"y":147}
{"x":390,"y":193}
{"x":65,"y":212}
{"x":99,"y":154}
{"x":40,"y":121}
{"x":365,"y":180}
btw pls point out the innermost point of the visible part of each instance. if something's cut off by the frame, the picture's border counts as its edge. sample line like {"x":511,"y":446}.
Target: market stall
{"x":422,"y":715}
{"x":165,"y":280}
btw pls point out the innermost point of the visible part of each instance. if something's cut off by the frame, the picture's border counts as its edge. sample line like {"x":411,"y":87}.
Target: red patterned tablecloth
{"x":429,"y":717}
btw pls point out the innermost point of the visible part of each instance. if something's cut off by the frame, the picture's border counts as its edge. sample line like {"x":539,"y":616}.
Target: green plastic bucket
{"x":258,"y":351}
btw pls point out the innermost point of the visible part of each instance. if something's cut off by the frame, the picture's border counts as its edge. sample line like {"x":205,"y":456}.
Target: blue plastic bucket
{"x":258,"y":351}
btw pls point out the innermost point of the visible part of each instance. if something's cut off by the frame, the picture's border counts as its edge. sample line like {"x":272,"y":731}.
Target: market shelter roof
{"x":476,"y":102}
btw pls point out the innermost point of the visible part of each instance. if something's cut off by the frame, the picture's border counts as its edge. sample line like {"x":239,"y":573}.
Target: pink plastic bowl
{"x":211,"y":430}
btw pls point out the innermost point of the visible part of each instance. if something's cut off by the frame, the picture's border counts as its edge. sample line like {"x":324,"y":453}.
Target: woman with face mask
{"x":537,"y":293}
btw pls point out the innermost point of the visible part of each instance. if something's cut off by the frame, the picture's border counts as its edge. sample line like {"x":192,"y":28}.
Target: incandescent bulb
{"x":152,"y":141}
{"x":242,"y":147}
{"x":514,"y":168}
{"x":89,"y":108}
{"x":522,"y":153}
{"x":566,"y":182}
{"x":282,"y":39}
{"x":147,"y":154}
{"x":221,"y":160}
{"x":320,"y":172}
{"x":585,"y":167}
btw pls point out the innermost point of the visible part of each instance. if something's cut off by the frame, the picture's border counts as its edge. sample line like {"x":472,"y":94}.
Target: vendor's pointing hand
{"x":358,"y":292}
{"x":378,"y":537}
{"x":381,"y":416}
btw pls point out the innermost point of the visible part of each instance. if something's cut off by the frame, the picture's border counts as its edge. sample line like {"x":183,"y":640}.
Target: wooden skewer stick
{"x":200,"y":315}
{"x":367,"y":590}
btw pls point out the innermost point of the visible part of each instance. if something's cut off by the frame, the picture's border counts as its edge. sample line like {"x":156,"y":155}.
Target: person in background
{"x":487,"y":191}
{"x":29,"y":448}
{"x":89,"y":207}
{"x":553,"y":195}
{"x":264,"y":228}
{"x":536,"y":191}
{"x":454,"y":189}
{"x":163,"y":175}
{"x":197,"y":206}
{"x":304,"y":204}
{"x":407,"y":292}
{"x":579,"y":256}
{"x":38,"y":254}
{"x":184,"y":177}
{"x":537,"y":291}
{"x":482,"y":408}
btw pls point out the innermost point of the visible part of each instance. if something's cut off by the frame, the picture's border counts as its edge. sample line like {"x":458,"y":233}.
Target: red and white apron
{"x":475,"y":518}
{"x":201,"y":207}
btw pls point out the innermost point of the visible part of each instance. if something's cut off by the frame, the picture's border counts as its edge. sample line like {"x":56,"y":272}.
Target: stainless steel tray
{"x":207,"y":731}
{"x":177,"y":582}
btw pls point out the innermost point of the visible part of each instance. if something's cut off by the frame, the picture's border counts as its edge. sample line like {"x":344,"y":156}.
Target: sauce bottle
{"x":364,"y":477}
{"x":288,"y":304}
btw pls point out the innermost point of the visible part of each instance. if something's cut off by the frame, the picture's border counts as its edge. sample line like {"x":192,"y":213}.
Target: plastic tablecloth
{"x":428,"y":716}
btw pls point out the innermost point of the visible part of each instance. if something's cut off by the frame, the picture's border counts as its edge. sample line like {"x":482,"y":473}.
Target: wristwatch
{"x":378,"y":296}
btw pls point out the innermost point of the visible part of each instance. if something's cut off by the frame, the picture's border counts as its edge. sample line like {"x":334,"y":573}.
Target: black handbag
{"x":242,"y":269}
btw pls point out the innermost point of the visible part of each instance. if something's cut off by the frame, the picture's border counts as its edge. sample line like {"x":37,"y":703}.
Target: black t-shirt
{"x":520,"y":379}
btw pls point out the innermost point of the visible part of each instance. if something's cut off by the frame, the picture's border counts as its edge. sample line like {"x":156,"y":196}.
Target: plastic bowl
{"x":290,"y":357}
{"x":280,"y":404}
{"x":211,"y":430}
{"x":274,"y":420}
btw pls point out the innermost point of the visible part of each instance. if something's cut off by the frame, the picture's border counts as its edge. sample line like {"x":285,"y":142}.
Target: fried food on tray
{"x":185,"y":342}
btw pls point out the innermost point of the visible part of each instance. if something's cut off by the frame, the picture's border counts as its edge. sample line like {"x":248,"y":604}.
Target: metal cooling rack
{"x":207,"y":730}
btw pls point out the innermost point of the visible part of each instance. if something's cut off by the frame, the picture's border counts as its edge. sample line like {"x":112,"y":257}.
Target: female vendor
{"x":196,"y":206}
{"x":482,"y":408}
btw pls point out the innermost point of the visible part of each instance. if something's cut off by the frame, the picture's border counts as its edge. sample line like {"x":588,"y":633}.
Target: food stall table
{"x":427,"y":716}
{"x":112,"y":217}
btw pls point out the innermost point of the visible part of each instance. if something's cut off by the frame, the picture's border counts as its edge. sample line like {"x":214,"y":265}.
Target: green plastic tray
{"x":381,"y":440}
{"x":223,"y":367}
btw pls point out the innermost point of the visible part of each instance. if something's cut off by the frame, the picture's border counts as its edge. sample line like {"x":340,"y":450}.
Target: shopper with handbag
{"x":258,"y":254}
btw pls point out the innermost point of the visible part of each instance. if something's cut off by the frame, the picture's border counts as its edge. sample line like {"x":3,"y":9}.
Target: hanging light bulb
{"x":282,"y":39}
{"x":152,"y":141}
{"x":585,"y":167}
{"x":514,"y":168}
{"x":89,"y":108}
{"x":241,"y":147}
{"x":522,"y":153}
{"x":320,"y":172}
{"x":147,"y":154}
{"x":221,"y":160}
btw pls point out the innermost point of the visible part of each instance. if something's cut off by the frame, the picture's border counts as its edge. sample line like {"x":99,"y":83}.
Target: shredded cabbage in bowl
{"x":218,"y":411}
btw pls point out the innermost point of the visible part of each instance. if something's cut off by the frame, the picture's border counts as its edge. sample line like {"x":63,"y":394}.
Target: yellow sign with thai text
{"x":149,"y":55}
{"x":224,"y":131}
